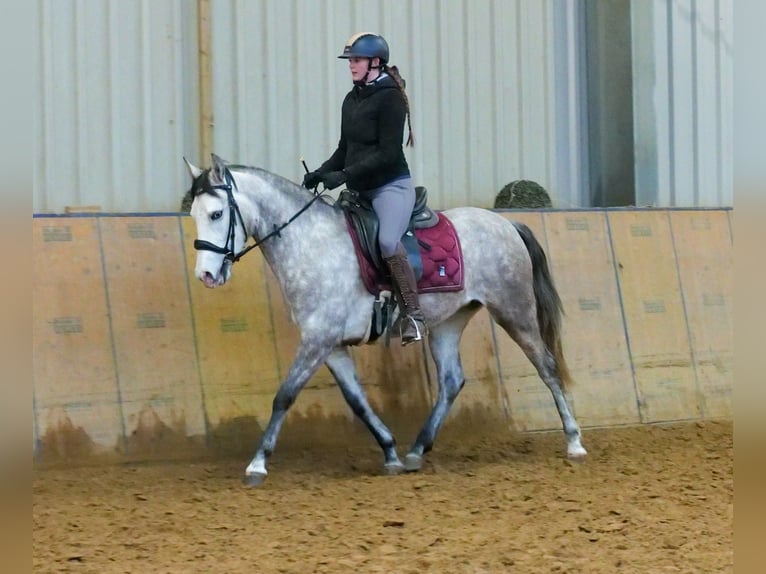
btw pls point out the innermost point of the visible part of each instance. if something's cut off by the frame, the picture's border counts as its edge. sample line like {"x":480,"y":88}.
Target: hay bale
{"x":186,"y":202}
{"x":523,"y":194}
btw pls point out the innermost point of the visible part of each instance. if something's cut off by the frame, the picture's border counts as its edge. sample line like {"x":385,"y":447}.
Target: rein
{"x":228,"y":251}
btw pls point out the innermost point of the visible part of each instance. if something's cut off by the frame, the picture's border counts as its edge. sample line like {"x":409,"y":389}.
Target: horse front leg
{"x":342,"y":367}
{"x":306,"y":362}
{"x":444,"y":342}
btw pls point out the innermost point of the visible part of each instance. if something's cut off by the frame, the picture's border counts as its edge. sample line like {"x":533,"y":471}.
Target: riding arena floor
{"x":649,"y":499}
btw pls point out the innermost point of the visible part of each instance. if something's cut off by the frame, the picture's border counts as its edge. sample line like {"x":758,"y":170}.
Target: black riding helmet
{"x":366,"y":45}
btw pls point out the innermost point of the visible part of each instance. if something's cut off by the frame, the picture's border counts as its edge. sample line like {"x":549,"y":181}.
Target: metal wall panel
{"x":479,"y":77}
{"x":682,"y":68}
{"x":116,"y":103}
{"x":496,"y":88}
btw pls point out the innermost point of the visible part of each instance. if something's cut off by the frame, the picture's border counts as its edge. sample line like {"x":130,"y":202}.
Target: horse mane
{"x":261,"y":173}
{"x":201,"y":183}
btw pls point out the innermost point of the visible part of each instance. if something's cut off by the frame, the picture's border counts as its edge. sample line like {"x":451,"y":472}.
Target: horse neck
{"x":269,"y":201}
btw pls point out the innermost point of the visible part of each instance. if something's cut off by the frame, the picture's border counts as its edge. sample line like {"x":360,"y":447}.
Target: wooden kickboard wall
{"x":135,"y":359}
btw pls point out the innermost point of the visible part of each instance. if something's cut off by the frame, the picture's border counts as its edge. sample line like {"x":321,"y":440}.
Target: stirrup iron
{"x":418,"y":332}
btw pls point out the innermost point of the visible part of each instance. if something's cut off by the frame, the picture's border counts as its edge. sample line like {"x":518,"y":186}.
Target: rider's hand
{"x":333,"y":179}
{"x":312,"y":179}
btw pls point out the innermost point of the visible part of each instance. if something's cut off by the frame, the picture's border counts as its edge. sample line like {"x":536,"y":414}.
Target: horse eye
{"x":216,"y":215}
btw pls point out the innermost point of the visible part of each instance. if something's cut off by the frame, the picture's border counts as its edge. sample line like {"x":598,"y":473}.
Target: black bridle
{"x":229,"y":185}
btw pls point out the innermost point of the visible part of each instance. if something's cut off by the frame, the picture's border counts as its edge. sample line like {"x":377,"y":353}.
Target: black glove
{"x":333,"y":179}
{"x":312,"y":179}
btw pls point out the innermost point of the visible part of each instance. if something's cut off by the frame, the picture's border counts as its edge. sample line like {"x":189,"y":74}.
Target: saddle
{"x":363,"y":221}
{"x":433,"y":250}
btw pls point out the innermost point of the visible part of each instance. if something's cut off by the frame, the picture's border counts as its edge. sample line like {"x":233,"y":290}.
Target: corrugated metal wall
{"x":495,"y":87}
{"x":118,"y":96}
{"x":682,"y":78}
{"x":479,"y":76}
{"x":116,"y":105}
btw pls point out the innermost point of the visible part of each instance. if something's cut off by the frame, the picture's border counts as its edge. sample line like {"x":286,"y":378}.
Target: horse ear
{"x":194,"y":171}
{"x":219,"y":167}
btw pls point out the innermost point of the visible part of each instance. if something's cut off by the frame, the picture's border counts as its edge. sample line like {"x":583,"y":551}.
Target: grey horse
{"x":313,"y":258}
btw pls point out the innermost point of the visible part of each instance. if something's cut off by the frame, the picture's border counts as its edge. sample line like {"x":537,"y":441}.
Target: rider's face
{"x":358,"y":67}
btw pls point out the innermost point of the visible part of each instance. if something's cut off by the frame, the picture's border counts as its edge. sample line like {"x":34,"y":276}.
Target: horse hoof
{"x":577,"y":454}
{"x":393,"y":468}
{"x":413,"y":462}
{"x":254,"y":480}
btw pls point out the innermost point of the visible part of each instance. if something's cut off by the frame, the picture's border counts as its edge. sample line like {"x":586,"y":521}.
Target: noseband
{"x":228,"y":250}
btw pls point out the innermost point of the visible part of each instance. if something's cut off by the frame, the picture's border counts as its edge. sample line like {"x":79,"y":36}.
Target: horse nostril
{"x":208,"y":279}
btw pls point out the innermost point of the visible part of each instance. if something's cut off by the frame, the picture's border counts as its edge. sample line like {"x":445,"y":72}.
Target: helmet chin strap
{"x":370,"y":68}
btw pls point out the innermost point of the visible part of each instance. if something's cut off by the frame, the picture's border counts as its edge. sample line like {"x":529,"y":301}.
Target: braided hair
{"x":393,"y":71}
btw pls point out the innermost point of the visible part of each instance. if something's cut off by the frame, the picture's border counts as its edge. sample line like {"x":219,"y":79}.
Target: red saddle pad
{"x":442,"y":263}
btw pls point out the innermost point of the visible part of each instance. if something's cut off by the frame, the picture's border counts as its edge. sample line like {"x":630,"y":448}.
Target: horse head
{"x":221,"y":233}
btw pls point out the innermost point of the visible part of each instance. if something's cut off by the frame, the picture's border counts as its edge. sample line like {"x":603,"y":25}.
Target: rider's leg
{"x":393,"y":205}
{"x":405,"y":282}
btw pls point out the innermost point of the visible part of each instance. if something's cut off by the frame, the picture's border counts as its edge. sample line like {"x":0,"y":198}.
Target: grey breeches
{"x":393,"y":203}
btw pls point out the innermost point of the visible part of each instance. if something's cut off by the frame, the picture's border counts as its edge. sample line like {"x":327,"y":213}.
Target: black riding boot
{"x":404,"y":281}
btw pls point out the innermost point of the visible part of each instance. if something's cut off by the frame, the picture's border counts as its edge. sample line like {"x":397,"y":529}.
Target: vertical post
{"x":205,"y":81}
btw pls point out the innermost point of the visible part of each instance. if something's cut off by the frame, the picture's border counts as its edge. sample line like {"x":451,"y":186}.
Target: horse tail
{"x":549,"y":307}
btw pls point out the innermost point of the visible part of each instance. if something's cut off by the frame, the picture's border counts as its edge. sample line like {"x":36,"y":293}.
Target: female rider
{"x":370,"y":160}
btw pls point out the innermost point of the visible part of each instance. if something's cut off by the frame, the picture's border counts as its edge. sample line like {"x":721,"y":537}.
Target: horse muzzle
{"x":213,"y":280}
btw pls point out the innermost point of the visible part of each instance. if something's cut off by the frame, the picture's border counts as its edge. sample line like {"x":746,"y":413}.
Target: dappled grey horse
{"x":309,"y":249}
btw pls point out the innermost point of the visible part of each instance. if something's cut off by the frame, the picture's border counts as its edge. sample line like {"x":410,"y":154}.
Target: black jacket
{"x":372,"y":129}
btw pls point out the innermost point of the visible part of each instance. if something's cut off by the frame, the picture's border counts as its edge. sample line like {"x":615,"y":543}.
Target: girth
{"x":364,"y":222}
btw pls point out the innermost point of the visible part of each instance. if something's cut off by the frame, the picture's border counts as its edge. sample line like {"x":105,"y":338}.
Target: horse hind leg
{"x":342,"y":367}
{"x":523,"y":329}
